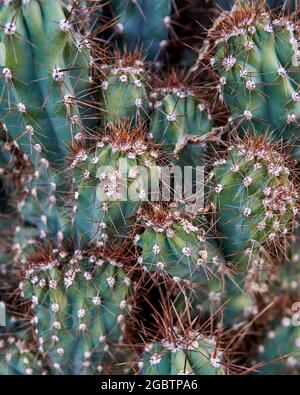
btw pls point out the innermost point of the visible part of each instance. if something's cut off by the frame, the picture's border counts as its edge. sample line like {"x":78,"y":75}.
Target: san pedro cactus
{"x":275,"y":4}
{"x":205,"y":300}
{"x":143,"y":23}
{"x":171,"y":243}
{"x":121,"y":163}
{"x":255,"y":58}
{"x":255,"y":196}
{"x":80,"y":304}
{"x":19,"y":355}
{"x":183,"y":354}
{"x":123,"y":78}
{"x":103,"y":176}
{"x":180,"y":118}
{"x":37,"y":103}
{"x":279,"y":351}
{"x":106,"y":265}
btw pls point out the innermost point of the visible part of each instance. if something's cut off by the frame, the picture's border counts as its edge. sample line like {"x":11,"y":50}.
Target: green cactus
{"x":190,"y":353}
{"x":171,"y":243}
{"x":6,"y":257}
{"x":85,"y":125}
{"x":32,"y":188}
{"x":39,"y":104}
{"x":211,"y":299}
{"x":18,"y":358}
{"x":110,"y":182}
{"x":274,"y":4}
{"x":180,"y":119}
{"x":80,"y":303}
{"x":19,"y":355}
{"x":113,"y":183}
{"x":123,"y":86}
{"x":255,"y":196}
{"x":255,"y":58}
{"x":143,"y":23}
{"x":39,"y":205}
{"x":10,"y":221}
{"x":287,"y":281}
{"x":279,"y":351}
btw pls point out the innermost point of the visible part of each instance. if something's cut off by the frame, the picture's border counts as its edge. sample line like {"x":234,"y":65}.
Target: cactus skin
{"x":35,"y":208}
{"x":8,"y":223}
{"x":279,"y":351}
{"x":97,"y":209}
{"x":279,"y":347}
{"x":11,"y":189}
{"x":38,"y":104}
{"x":102,"y":208}
{"x":172,"y":244}
{"x":142,"y":23}
{"x":124,"y":95}
{"x":257,"y":70}
{"x":80,"y":304}
{"x":17,"y":357}
{"x":66,"y":211}
{"x":19,"y":354}
{"x":236,"y":301}
{"x":189,"y":354}
{"x":39,"y":205}
{"x":274,"y":4}
{"x":18,"y":360}
{"x":207,"y":299}
{"x":254,"y":195}
{"x":34,"y":189}
{"x":179,"y":118}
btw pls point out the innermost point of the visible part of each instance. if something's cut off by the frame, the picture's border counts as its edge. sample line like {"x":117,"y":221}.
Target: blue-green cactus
{"x":255,"y":196}
{"x":183,"y":354}
{"x":143,"y":23}
{"x":80,"y":303}
{"x":123,"y":89}
{"x":39,"y":103}
{"x":180,"y":121}
{"x":174,"y":244}
{"x":255,"y":58}
{"x":112,"y":183}
{"x":19,"y":353}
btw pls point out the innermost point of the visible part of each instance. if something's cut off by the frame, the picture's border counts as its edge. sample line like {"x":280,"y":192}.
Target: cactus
{"x":279,"y":351}
{"x":18,"y":355}
{"x":180,"y":118}
{"x":97,"y":257}
{"x":123,"y":77}
{"x":274,"y":4}
{"x":220,"y":302}
{"x":40,"y":104}
{"x":121,"y":163}
{"x":11,"y":174}
{"x":18,"y":359}
{"x":145,"y":24}
{"x":103,"y":175}
{"x":171,"y":243}
{"x":255,"y":58}
{"x":183,"y":354}
{"x":38,"y":206}
{"x":255,"y":196}
{"x":80,"y":303}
